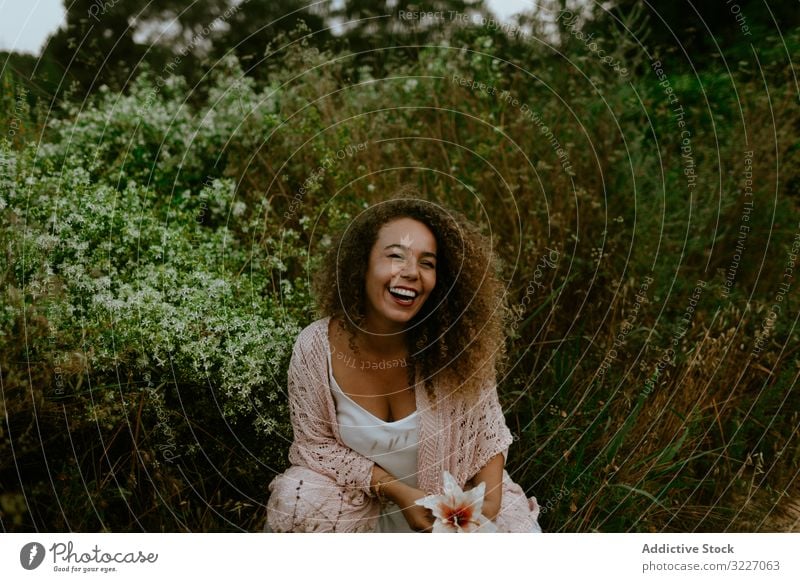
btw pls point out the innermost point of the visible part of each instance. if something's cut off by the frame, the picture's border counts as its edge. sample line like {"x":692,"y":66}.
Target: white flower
{"x":458,"y":511}
{"x":238,"y":208}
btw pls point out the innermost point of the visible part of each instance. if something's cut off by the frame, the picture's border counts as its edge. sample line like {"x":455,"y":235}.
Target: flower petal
{"x":440,"y":526}
{"x":475,"y":495}
{"x":432,"y":502}
{"x":450,"y":485}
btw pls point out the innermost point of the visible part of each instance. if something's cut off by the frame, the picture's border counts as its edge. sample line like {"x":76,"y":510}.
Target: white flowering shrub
{"x":156,"y":135}
{"x":152,"y":294}
{"x":140,"y":284}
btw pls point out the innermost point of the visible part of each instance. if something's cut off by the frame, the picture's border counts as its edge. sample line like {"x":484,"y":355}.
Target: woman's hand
{"x":419,"y":518}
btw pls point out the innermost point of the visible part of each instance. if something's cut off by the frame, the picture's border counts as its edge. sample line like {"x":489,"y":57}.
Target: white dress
{"x":392,"y":445}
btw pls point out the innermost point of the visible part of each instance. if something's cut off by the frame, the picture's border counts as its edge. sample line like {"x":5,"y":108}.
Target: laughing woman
{"x":396,"y":383}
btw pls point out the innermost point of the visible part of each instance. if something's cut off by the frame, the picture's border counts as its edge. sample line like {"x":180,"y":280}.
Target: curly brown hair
{"x":457,"y":336}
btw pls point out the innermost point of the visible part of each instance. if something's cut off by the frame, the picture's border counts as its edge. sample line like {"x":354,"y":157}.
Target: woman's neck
{"x":382,"y":340}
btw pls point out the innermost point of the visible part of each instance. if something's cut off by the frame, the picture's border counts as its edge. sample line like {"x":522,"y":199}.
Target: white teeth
{"x":404,"y":292}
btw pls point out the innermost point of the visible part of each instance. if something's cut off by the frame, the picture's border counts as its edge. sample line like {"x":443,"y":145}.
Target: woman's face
{"x":401,"y":274}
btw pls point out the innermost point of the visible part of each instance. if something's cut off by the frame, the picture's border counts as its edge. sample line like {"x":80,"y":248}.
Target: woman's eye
{"x":431,"y":265}
{"x":395,"y":256}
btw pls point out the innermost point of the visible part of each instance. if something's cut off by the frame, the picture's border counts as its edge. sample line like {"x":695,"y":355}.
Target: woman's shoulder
{"x":311,"y":337}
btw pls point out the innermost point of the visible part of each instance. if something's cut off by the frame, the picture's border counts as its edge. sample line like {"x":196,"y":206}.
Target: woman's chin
{"x":400,"y":316}
{"x":395,"y":312}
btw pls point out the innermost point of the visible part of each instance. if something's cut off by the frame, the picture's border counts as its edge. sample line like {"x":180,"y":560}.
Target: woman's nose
{"x":409,"y":268}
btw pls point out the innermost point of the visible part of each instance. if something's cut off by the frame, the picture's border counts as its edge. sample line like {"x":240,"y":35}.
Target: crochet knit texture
{"x":328,"y":486}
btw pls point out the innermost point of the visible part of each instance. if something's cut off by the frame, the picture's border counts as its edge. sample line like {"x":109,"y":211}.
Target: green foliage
{"x":120,"y":244}
{"x":146,"y":283}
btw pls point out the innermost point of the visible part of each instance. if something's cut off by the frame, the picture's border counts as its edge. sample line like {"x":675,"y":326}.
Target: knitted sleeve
{"x":316,"y":444}
{"x":493,"y":435}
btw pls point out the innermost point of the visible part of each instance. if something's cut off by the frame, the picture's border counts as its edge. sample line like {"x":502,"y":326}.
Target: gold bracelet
{"x":376,"y":487}
{"x":379,"y":488}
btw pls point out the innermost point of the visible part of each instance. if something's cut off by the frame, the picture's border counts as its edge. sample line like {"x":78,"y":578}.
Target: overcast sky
{"x":25,"y":24}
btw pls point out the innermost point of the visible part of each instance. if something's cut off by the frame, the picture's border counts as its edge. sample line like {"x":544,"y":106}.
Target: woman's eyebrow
{"x":405,"y":248}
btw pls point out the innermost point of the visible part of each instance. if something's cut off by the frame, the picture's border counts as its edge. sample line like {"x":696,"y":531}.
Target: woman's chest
{"x":381,"y":390}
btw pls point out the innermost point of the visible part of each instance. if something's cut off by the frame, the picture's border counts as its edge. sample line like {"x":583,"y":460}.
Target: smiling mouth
{"x":403,"y":297}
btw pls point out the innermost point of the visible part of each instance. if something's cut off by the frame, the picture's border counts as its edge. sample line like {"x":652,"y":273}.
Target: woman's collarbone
{"x":378,"y":395}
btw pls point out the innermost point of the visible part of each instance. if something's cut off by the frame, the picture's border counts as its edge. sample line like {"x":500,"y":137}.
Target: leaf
{"x":641,"y":492}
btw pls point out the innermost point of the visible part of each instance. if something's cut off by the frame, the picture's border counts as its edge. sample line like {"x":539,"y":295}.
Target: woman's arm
{"x":419,"y":518}
{"x":492,"y":475}
{"x":493,"y":440}
{"x":315,"y":445}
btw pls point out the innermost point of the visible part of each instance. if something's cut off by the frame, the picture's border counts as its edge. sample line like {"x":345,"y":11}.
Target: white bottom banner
{"x":388,"y":557}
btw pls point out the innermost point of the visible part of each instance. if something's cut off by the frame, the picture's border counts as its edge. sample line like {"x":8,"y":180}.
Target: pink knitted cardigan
{"x":327,"y":488}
